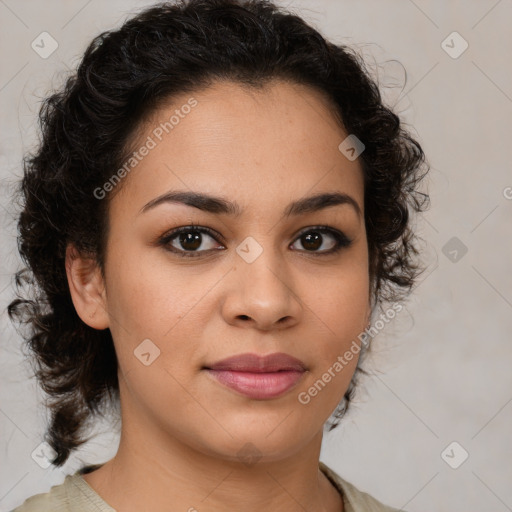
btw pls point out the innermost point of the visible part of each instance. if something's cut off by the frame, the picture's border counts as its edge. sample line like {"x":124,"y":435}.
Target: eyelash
{"x":342,"y":241}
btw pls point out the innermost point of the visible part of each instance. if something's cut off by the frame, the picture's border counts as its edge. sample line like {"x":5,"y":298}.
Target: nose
{"x":261,"y":294}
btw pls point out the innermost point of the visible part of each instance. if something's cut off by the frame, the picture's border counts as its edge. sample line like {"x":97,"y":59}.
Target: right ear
{"x":87,"y":288}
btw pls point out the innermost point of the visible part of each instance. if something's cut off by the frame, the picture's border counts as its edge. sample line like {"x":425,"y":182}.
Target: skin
{"x":181,"y":429}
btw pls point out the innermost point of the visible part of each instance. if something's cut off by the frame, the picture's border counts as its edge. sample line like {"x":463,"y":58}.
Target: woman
{"x":217,"y":210}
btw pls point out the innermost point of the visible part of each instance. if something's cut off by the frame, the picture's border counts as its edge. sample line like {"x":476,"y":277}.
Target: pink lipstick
{"x":258,"y":377}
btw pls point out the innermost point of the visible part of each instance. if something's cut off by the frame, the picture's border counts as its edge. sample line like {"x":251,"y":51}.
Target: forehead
{"x":253,"y":145}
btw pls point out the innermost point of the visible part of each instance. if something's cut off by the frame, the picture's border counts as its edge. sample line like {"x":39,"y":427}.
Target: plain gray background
{"x":443,"y":367}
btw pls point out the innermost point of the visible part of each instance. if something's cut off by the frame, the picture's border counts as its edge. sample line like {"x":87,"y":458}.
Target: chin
{"x":251,"y":443}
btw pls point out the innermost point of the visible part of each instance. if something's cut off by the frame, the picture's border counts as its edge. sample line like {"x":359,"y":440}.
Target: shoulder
{"x":55,"y":499}
{"x":73,"y":495}
{"x":355,"y":500}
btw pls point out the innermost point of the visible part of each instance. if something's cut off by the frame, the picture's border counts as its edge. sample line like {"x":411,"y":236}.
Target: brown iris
{"x":312,"y":240}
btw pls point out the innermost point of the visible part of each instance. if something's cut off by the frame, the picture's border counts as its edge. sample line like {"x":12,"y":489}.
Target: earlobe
{"x":87,"y":288}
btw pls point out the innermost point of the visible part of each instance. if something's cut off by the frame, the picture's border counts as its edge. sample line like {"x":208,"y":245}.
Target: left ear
{"x":87,"y":288}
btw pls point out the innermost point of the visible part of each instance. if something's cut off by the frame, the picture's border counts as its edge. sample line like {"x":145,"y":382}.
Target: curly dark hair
{"x":86,"y":131}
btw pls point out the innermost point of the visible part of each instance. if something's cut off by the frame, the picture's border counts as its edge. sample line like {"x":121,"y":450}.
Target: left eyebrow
{"x":219,"y":205}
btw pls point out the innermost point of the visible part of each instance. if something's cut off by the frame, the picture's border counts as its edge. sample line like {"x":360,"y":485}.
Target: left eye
{"x":313,"y":239}
{"x":190,"y":238}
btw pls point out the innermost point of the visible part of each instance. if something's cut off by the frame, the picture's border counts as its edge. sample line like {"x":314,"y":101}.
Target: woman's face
{"x":261,"y":281}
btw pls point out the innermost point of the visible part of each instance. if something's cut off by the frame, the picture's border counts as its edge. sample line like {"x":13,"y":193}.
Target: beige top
{"x":75,"y":495}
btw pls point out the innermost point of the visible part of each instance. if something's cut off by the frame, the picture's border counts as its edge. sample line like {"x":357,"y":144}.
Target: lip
{"x":258,"y":377}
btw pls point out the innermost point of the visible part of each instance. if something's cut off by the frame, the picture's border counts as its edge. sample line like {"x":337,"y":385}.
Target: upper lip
{"x":255,"y":363}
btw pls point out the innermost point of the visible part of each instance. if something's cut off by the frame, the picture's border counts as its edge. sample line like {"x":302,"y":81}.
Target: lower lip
{"x":259,"y":386}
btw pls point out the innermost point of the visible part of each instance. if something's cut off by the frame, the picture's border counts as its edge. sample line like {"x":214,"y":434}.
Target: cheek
{"x":148,"y":292}
{"x":147,"y":300}
{"x":339,"y":311}
{"x":341,"y":300}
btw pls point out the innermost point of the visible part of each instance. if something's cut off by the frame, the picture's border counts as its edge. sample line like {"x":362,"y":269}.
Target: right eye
{"x":186,"y":241}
